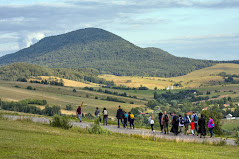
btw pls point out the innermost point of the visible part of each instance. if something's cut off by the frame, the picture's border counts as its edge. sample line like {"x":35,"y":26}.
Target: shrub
{"x":74,"y":90}
{"x":131,"y":102}
{"x":29,"y":87}
{"x":216,"y":116}
{"x":97,"y":129}
{"x":61,"y":121}
{"x":69,"y":107}
{"x":89,"y":116}
{"x":51,"y":111}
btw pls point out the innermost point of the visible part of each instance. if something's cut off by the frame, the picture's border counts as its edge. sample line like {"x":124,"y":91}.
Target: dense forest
{"x":106,"y":52}
{"x":21,"y":71}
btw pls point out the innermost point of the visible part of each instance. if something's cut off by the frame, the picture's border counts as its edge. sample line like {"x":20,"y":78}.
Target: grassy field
{"x":56,"y":95}
{"x":230,"y":124}
{"x":24,"y":139}
{"x":207,"y":76}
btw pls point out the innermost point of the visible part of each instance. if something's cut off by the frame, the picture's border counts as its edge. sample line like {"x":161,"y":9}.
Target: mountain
{"x":106,"y":52}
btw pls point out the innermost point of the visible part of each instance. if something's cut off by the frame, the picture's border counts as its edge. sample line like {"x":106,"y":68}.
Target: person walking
{"x":164,"y":121}
{"x":211,"y":125}
{"x":125,"y":120}
{"x":105,"y":116}
{"x":175,"y":124}
{"x":131,"y":119}
{"x":181,"y":124}
{"x":186,"y":123}
{"x":160,"y":121}
{"x":119,"y":116}
{"x":78,"y":112}
{"x":202,"y":129}
{"x":151,"y":121}
{"x":195,"y":119}
{"x":97,"y":112}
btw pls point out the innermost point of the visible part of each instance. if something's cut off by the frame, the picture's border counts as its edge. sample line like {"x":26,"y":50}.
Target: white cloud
{"x":30,"y":38}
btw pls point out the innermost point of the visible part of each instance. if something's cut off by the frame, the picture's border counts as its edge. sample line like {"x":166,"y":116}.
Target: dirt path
{"x":143,"y":132}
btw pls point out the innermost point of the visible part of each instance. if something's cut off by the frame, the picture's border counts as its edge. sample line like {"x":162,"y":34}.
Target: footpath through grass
{"x":24,"y":139}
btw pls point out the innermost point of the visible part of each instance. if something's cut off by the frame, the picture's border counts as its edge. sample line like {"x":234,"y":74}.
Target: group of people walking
{"x":121,"y":115}
{"x":124,"y":117}
{"x":177,"y":122}
{"x":180,"y":122}
{"x":105,"y":115}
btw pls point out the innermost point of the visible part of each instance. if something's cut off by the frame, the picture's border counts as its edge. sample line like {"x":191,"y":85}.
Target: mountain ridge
{"x":106,"y":52}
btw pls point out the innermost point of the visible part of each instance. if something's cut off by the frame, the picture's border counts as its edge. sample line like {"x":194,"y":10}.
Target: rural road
{"x":143,"y":132}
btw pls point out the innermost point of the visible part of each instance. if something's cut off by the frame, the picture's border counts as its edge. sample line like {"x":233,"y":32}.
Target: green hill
{"x":106,"y":52}
{"x":25,"y":70}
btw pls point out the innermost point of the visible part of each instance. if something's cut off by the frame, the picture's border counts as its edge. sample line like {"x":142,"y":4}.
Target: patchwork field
{"x":69,"y":83}
{"x":56,"y":95}
{"x":24,"y":139}
{"x":206,"y":77}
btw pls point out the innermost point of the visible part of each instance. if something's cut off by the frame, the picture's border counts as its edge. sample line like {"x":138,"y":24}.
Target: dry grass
{"x":206,"y":76}
{"x":69,"y":83}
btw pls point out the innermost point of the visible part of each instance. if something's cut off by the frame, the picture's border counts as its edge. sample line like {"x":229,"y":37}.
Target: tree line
{"x":26,"y":107}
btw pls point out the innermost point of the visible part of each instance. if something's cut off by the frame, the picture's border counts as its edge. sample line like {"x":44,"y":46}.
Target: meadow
{"x":61,"y":96}
{"x":203,"y":77}
{"x":24,"y":139}
{"x":230,"y":125}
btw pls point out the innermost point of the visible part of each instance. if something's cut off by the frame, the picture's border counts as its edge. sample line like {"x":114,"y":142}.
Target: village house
{"x":226,"y":105}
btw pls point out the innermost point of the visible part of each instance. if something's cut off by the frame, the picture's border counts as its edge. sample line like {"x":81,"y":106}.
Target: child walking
{"x":192,"y":127}
{"x":151,"y":121}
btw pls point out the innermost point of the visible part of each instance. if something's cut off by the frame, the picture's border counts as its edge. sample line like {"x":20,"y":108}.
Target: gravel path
{"x":143,"y":132}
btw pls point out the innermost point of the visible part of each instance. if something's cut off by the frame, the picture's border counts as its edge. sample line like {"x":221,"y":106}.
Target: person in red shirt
{"x":78,"y":112}
{"x":192,"y":127}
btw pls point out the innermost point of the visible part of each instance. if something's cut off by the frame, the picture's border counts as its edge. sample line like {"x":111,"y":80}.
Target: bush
{"x":61,"y":121}
{"x":89,"y":116}
{"x":74,"y":90}
{"x":29,"y":87}
{"x":51,"y":111}
{"x":97,"y":129}
{"x":216,"y":118}
{"x":131,"y":102}
{"x":69,"y":107}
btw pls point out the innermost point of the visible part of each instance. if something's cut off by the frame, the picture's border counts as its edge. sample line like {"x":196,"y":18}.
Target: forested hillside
{"x":106,"y":52}
{"x":24,"y":70}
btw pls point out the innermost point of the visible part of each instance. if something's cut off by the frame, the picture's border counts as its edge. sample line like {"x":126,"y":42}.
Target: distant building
{"x":229,"y":116}
{"x":171,"y":87}
{"x":206,"y":108}
{"x":226,"y":105}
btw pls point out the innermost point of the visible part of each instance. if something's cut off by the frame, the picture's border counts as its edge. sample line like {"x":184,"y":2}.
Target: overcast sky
{"x":204,"y":29}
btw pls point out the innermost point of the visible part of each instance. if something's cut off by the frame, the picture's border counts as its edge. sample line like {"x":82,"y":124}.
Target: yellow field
{"x":69,"y":83}
{"x":206,"y":76}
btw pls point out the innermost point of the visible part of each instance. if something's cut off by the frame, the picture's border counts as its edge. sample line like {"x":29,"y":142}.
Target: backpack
{"x":182,"y":121}
{"x":105,"y":112}
{"x":126,"y":115}
{"x":131,"y":116}
{"x":151,"y":121}
{"x":166,"y":118}
{"x":212,"y":123}
{"x":195,"y":118}
{"x":186,"y":120}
